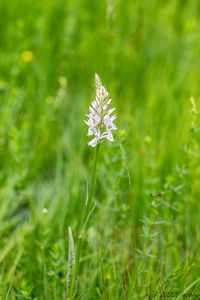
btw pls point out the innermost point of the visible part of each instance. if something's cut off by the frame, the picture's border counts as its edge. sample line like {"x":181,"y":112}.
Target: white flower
{"x":100,"y":118}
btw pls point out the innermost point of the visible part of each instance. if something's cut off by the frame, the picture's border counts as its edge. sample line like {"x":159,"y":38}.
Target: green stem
{"x":86,"y":212}
{"x":89,"y":200}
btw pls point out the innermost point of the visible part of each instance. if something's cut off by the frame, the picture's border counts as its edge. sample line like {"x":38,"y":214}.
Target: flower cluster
{"x":100,"y":118}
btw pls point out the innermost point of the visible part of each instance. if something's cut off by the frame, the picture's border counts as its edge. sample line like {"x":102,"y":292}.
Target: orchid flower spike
{"x":100,"y":119}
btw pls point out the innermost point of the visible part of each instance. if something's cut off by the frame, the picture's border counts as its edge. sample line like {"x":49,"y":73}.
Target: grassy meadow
{"x":142,"y":239}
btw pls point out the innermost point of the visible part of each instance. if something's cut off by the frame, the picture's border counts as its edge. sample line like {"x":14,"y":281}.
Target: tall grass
{"x":143,"y":236}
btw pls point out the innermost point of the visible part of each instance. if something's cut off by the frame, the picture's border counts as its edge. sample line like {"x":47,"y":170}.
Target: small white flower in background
{"x":100,"y":118}
{"x":45,"y":211}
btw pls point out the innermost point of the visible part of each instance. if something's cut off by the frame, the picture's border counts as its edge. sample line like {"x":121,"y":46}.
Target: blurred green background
{"x":144,"y":233}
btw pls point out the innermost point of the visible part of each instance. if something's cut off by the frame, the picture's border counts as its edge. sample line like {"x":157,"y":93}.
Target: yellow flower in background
{"x":27,"y":56}
{"x":108,"y":276}
{"x":62,"y":280}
